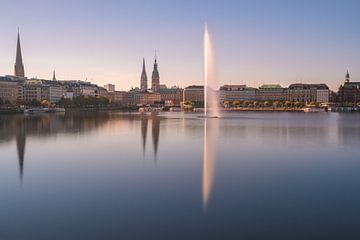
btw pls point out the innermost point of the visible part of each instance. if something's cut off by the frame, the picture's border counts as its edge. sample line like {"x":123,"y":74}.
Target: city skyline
{"x":262,"y":51}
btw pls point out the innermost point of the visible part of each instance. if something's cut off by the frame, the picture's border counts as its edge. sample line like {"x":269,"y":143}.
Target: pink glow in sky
{"x":255,"y":42}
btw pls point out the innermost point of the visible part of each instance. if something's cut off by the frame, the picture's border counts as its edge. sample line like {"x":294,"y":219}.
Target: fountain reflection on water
{"x":211,"y":132}
{"x":211,"y":124}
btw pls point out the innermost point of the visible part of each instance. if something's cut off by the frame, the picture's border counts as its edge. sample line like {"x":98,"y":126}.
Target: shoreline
{"x":133,"y":109}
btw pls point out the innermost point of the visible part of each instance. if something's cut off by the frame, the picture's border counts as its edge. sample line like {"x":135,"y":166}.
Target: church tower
{"x":54,"y":76}
{"x":155,"y":84}
{"x":143,"y":80}
{"x":347,"y":77}
{"x":19,"y":66}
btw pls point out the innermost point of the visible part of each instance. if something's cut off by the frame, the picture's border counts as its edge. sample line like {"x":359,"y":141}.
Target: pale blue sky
{"x":255,"y":41}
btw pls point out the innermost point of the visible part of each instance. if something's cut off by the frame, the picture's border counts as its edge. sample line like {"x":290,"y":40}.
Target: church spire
{"x":143,"y":80}
{"x":155,"y":79}
{"x":347,"y":77}
{"x":19,"y":66}
{"x":54,"y":76}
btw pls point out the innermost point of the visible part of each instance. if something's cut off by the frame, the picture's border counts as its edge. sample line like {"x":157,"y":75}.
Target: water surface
{"x":176,"y":176}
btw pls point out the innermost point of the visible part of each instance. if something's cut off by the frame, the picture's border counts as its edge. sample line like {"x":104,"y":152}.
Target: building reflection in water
{"x":211,"y":134}
{"x":20,"y":143}
{"x":155,"y":127}
{"x":155,"y":131}
{"x":144,"y":129}
{"x":19,"y":127}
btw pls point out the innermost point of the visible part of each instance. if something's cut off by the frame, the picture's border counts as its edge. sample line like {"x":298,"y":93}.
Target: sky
{"x":255,"y":41}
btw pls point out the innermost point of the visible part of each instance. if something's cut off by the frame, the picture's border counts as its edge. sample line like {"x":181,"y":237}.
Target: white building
{"x":110,"y":87}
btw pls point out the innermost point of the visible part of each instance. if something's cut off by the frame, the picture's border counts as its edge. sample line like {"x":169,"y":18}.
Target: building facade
{"x":236,"y":93}
{"x":117,"y":97}
{"x":38,"y":89}
{"x":171,"y":96}
{"x":271,"y":92}
{"x":307,"y":93}
{"x":147,"y":98}
{"x":10,"y":90}
{"x":194,"y":93}
{"x":32,"y":90}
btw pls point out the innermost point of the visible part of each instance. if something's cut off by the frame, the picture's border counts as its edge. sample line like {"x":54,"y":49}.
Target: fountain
{"x":211,"y":124}
{"x":211,"y":100}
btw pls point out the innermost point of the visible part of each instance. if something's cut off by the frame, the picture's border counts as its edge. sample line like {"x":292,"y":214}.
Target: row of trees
{"x":266,"y":104}
{"x":190,"y":105}
{"x":81,"y":101}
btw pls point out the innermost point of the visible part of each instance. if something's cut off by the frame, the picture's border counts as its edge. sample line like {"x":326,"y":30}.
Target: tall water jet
{"x":211,"y":100}
{"x":211,"y":124}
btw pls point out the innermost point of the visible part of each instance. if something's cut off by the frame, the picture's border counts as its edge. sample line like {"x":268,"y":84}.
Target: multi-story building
{"x":73,"y":89}
{"x":171,"y":96}
{"x":271,"y":92}
{"x":194,"y":93}
{"x":307,"y":93}
{"x":88,"y":89}
{"x":81,"y":88}
{"x":236,"y":93}
{"x":349,"y":92}
{"x":323,"y":95}
{"x":32,"y":90}
{"x":146,"y":98}
{"x":121,"y":97}
{"x":38,"y":89}
{"x":10,"y":90}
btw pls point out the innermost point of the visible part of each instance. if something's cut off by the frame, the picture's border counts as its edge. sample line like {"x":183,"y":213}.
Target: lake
{"x":111,"y":175}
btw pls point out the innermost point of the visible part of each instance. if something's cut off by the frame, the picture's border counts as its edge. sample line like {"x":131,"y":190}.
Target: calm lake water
{"x":176,"y":176}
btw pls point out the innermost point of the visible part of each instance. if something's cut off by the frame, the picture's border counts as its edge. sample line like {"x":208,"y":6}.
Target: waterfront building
{"x":271,"y":92}
{"x":194,"y":93}
{"x":32,"y":90}
{"x":323,"y":95}
{"x":10,"y":89}
{"x":155,"y":78}
{"x":88,"y":89}
{"x":171,"y":96}
{"x":56,"y":90}
{"x":81,"y":88}
{"x":307,"y":93}
{"x":72,"y":89}
{"x":349,"y":92}
{"x":19,"y":70}
{"x":39,"y":89}
{"x":147,"y":98}
{"x":236,"y":93}
{"x":119,"y":97}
